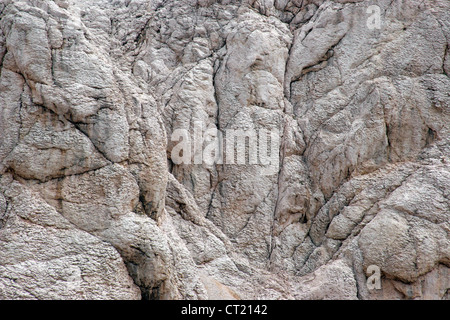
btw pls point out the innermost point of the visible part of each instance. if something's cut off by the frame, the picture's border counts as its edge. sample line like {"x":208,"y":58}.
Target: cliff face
{"x":352,"y":96}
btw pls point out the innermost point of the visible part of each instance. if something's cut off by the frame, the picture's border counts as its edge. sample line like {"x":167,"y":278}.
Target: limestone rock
{"x":350,"y":96}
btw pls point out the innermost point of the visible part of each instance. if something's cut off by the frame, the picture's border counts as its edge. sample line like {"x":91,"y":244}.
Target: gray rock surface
{"x":94,"y":205}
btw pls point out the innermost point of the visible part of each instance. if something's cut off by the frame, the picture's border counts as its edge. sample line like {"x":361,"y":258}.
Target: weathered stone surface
{"x":43,"y":256}
{"x":94,"y":205}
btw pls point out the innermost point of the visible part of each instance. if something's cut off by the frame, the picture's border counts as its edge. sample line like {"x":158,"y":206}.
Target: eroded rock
{"x":93,"y":204}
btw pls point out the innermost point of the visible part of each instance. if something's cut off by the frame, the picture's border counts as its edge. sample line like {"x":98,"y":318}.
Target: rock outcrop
{"x":352,"y":96}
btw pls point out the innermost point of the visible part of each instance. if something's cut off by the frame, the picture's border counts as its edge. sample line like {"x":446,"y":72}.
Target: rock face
{"x":351,"y":95}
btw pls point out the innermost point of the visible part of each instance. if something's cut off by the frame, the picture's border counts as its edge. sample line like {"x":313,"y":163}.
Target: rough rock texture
{"x":93,"y":206}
